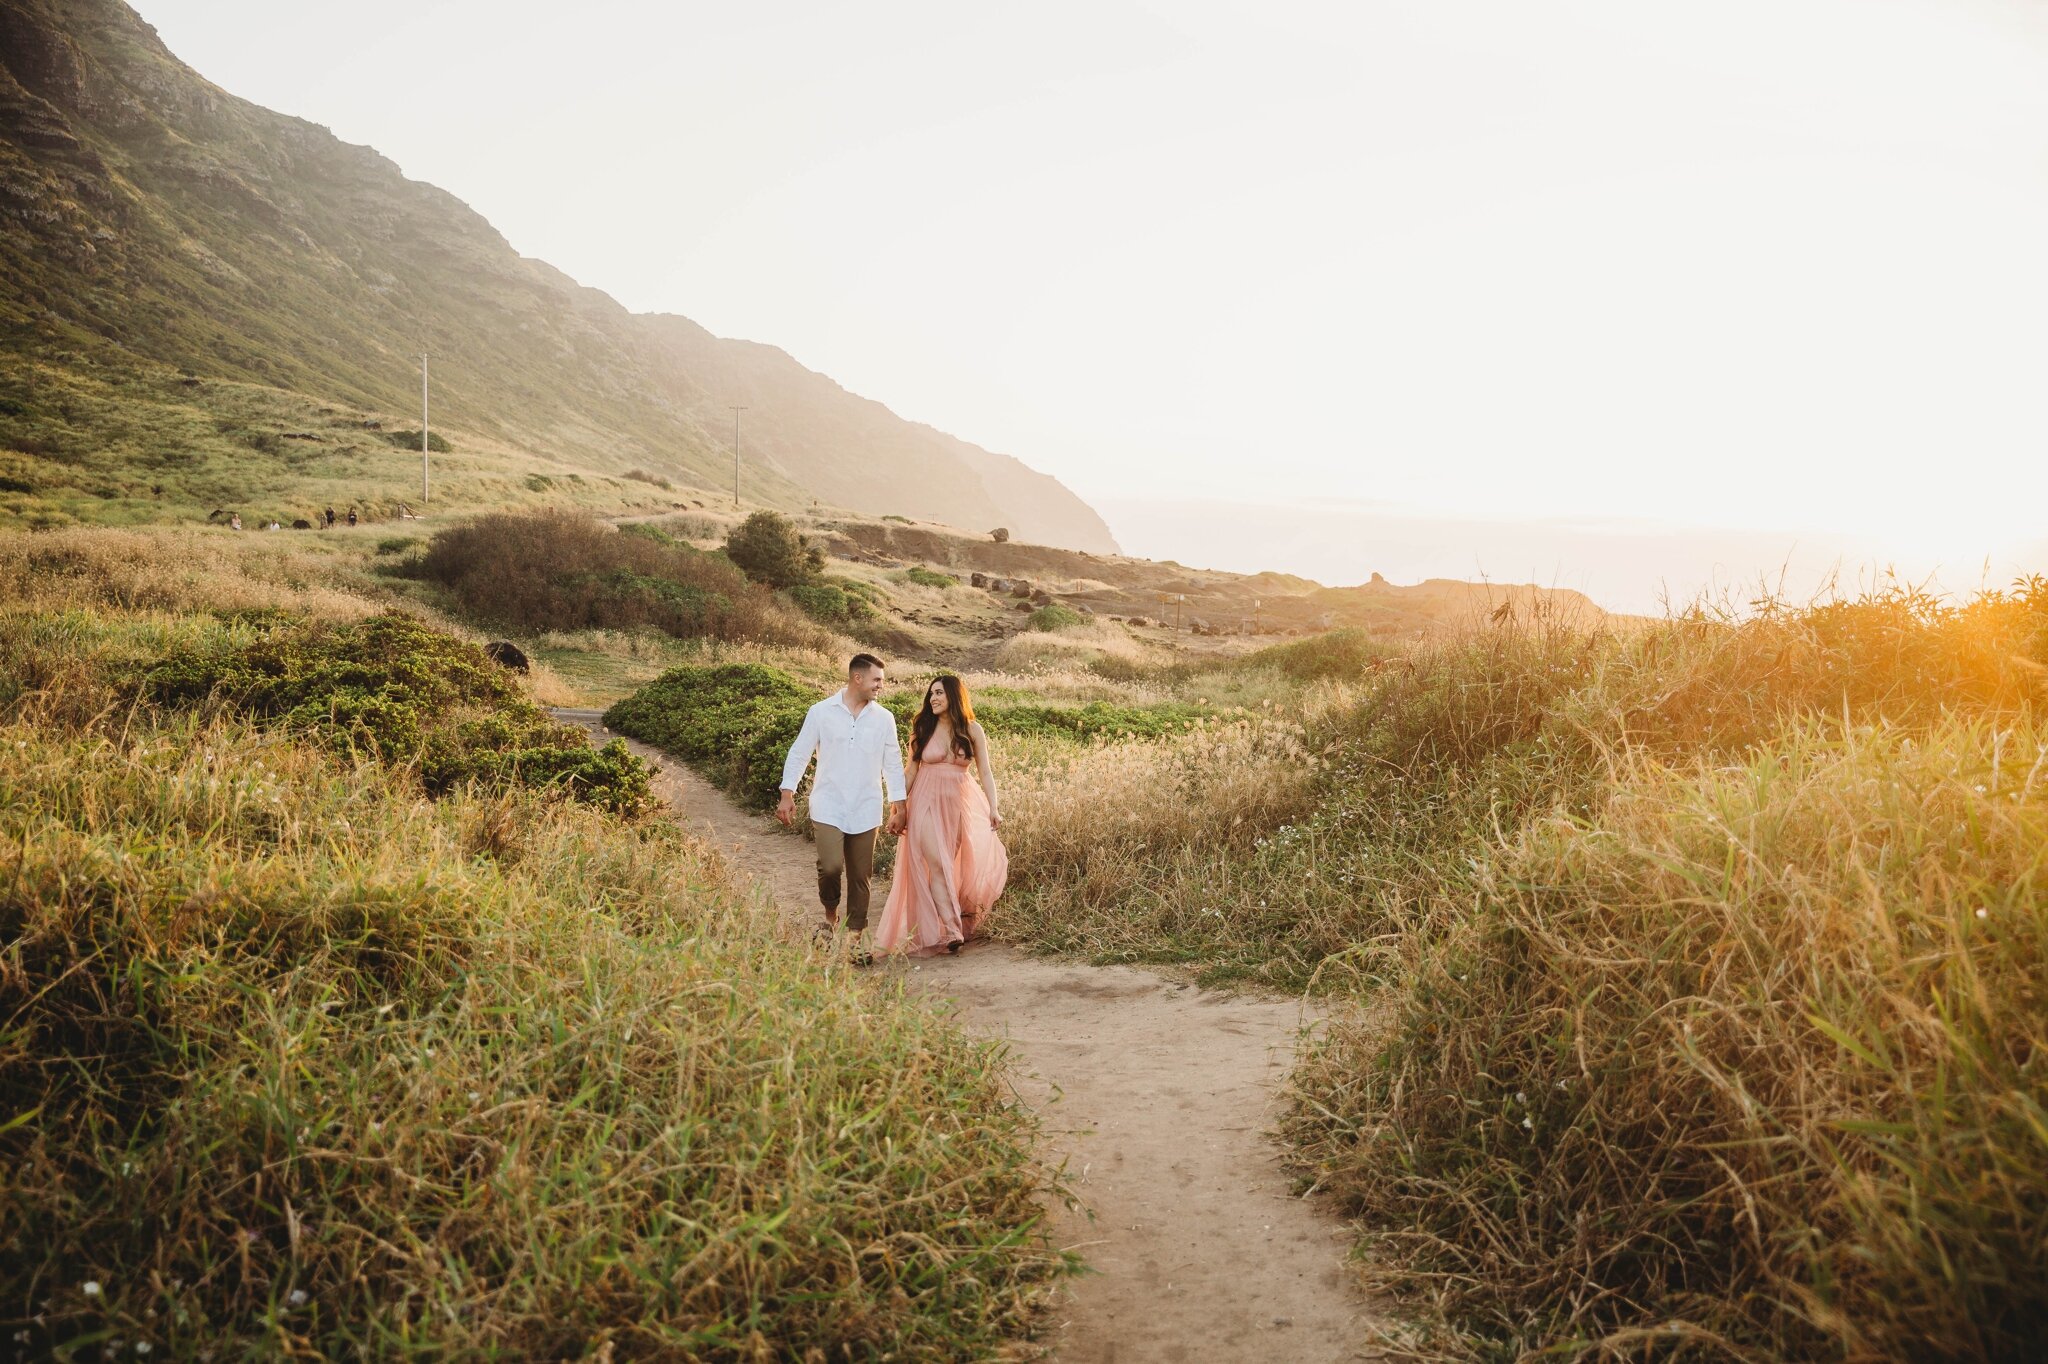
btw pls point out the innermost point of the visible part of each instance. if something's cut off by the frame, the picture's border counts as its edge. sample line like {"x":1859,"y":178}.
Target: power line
{"x":425,"y":497}
{"x":736,"y":455}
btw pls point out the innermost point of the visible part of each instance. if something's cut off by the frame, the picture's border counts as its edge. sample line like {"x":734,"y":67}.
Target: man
{"x":854,"y":737}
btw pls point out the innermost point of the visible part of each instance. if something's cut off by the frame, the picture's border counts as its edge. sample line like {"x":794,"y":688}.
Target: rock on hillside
{"x":150,"y":219}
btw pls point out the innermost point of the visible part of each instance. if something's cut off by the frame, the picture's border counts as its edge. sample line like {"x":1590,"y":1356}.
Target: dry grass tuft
{"x":1053,"y":650}
{"x":173,"y":571}
{"x":1752,"y":1049}
{"x":1141,"y":867}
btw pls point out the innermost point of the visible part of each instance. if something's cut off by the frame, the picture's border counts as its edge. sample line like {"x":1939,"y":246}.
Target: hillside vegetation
{"x":1701,"y":966}
{"x":301,"y":1058}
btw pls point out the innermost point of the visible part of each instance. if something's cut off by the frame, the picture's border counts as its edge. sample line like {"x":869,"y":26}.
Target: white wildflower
{"x":91,"y":1288}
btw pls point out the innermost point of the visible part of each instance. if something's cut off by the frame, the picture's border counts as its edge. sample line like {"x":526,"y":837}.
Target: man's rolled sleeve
{"x":892,"y":767}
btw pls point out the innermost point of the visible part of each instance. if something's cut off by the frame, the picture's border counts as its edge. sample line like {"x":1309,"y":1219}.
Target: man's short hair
{"x":863,"y":662}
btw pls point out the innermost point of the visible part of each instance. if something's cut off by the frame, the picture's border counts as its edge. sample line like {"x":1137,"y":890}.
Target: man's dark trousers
{"x":853,"y":857}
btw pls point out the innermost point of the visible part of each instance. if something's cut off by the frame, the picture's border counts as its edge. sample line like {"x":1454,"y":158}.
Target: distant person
{"x":854,"y":738}
{"x":330,"y":518}
{"x":351,"y":516}
{"x":951,"y":865}
{"x":235,"y":521}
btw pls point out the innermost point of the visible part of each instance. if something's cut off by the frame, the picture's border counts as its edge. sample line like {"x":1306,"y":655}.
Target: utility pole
{"x":424,"y":495}
{"x":736,"y":455}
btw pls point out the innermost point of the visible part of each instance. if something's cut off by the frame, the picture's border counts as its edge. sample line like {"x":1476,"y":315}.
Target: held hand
{"x":785,"y":809}
{"x":995,"y":821}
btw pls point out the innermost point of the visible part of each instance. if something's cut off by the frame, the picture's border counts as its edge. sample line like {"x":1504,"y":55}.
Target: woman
{"x":951,"y":865}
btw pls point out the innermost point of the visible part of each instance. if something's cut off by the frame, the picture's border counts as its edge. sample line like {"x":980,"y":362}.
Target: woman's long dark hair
{"x":958,"y":710}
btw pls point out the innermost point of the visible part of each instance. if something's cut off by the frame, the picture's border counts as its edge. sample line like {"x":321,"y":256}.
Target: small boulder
{"x":978,"y":579}
{"x":302,"y":524}
{"x":507,"y":655}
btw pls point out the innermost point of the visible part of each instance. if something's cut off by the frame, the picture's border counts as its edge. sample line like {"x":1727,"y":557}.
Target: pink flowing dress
{"x":950,"y":866}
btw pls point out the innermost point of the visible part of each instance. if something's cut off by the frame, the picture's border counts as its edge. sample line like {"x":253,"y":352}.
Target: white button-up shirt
{"x":857,"y":756}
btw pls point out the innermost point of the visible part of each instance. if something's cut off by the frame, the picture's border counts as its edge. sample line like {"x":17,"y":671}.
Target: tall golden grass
{"x":1134,"y":851}
{"x":1748,"y":1061}
{"x":1700,"y":968}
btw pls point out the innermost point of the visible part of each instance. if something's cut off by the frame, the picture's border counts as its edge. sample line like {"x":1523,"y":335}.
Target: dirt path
{"x":1158,"y":1094}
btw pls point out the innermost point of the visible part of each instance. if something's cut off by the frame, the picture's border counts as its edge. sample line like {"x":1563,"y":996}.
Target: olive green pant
{"x":851,"y":856}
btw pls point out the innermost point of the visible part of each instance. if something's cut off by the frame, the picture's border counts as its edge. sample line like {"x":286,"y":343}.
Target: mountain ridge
{"x":150,"y":218}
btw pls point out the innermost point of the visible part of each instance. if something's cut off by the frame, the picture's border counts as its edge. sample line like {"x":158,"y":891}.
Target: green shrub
{"x":733,"y":722}
{"x":397,"y":544}
{"x":927,"y":577}
{"x":647,"y":530}
{"x":393,"y":689}
{"x":410,"y":440}
{"x":1054,"y":616}
{"x":767,"y":548}
{"x":867,"y":592}
{"x":832,"y":605}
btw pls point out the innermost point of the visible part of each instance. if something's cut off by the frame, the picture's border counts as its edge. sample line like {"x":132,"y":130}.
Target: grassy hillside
{"x":152,"y":224}
{"x":302,"y":1057}
{"x":114,"y":445}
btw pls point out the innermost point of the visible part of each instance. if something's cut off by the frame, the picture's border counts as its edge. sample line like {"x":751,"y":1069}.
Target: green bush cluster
{"x":768,"y":548}
{"x":733,"y":722}
{"x":929,"y":577}
{"x":1094,"y":721}
{"x":410,"y":440}
{"x":834,"y":604}
{"x":394,"y":689}
{"x":1053,"y":616}
{"x":561,"y":570}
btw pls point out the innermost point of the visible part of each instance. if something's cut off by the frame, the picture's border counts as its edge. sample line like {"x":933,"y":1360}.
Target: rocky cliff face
{"x":149,"y":218}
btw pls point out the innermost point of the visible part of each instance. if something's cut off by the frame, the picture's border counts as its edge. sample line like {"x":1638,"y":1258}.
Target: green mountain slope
{"x":152,"y":223}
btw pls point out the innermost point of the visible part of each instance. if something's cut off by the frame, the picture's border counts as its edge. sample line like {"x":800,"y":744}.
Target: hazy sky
{"x":1549,"y":284}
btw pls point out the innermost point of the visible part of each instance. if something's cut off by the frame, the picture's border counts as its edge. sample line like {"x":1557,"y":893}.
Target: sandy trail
{"x":1158,"y":1095}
